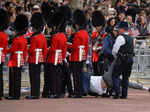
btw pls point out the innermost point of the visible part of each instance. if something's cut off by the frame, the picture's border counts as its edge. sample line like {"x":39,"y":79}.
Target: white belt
{"x":37,"y":55}
{"x":81,"y":52}
{"x":1,"y":49}
{"x":56,"y":56}
{"x":19,"y":57}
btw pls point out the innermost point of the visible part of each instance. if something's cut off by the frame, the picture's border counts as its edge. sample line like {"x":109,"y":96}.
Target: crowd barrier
{"x":141,"y":66}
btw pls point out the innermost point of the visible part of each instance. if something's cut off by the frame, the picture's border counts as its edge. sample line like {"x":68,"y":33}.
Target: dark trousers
{"x":56,"y":75}
{"x":123,"y":68}
{"x":1,"y":80}
{"x":15,"y":82}
{"x":66,"y":82}
{"x":34,"y":72}
{"x":98,"y":68}
{"x":48,"y":80}
{"x":76,"y":68}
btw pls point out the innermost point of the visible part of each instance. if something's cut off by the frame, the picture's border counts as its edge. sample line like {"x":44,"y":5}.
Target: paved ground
{"x":138,"y":101}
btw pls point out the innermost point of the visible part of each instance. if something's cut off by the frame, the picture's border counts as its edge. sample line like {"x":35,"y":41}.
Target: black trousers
{"x":98,"y":68}
{"x":15,"y":82}
{"x":123,"y":68}
{"x":34,"y":72}
{"x":66,"y":82}
{"x":48,"y":80}
{"x":55,"y":73}
{"x":76,"y":69}
{"x":1,"y":81}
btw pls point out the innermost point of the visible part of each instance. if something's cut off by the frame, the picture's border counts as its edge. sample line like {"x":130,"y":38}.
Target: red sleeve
{"x":45,"y":49}
{"x":76,"y":42}
{"x":25,"y":52}
{"x":13,"y":47}
{"x":65,"y":48}
{"x":53,"y":45}
{"x":4,"y":43}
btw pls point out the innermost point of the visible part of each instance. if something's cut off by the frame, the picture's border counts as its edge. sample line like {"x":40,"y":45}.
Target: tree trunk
{"x":76,"y":4}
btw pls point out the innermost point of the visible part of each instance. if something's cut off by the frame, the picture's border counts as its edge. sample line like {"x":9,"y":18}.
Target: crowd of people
{"x":93,"y":45}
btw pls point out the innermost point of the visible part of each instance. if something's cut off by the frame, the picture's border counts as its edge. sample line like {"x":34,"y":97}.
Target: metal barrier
{"x":141,"y":66}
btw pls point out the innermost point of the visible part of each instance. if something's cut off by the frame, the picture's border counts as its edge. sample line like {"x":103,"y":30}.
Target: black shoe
{"x":32,"y":97}
{"x":12,"y":98}
{"x":116,"y":97}
{"x":45,"y":96}
{"x":59,"y":96}
{"x":70,"y":96}
{"x":149,"y":90}
{"x":51,"y":96}
{"x":0,"y":98}
{"x":105,"y":96}
{"x":77,"y":96}
{"x":123,"y":97}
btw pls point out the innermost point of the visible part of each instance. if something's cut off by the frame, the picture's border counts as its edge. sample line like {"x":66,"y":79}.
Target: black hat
{"x":123,"y":25}
{"x":21,"y":23}
{"x":79,"y":18}
{"x":4,"y":20}
{"x":37,"y":21}
{"x":67,"y":12}
{"x":57,"y":20}
{"x":98,"y":19}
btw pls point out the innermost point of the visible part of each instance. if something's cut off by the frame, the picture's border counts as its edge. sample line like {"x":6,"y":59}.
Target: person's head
{"x":4,"y":20}
{"x":79,"y":19}
{"x":123,"y":27}
{"x":36,"y":8}
{"x":37,"y":22}
{"x":21,"y":24}
{"x":142,"y":12}
{"x":19,"y":10}
{"x":115,"y":31}
{"x":111,"y":22}
{"x":121,"y":16}
{"x":57,"y":22}
{"x":9,"y":5}
{"x":129,"y":19}
{"x":98,"y":20}
{"x":29,"y":15}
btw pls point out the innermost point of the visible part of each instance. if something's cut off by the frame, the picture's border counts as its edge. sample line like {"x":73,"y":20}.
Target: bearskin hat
{"x":98,"y":19}
{"x":21,"y":23}
{"x":57,"y":20}
{"x":4,"y":20}
{"x":67,"y":12}
{"x":37,"y":21}
{"x":79,"y":18}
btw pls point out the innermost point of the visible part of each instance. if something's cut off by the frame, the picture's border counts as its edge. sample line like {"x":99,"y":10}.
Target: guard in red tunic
{"x":98,"y":21}
{"x":37,"y":54}
{"x":79,"y":51}
{"x":18,"y":54}
{"x":57,"y":53}
{"x":4,"y":21}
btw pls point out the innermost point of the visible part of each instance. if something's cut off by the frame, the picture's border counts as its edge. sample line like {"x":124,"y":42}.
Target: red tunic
{"x":95,"y":53}
{"x":37,"y":42}
{"x":3,"y":45}
{"x":18,"y":44}
{"x":58,"y":42}
{"x":80,"y":39}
